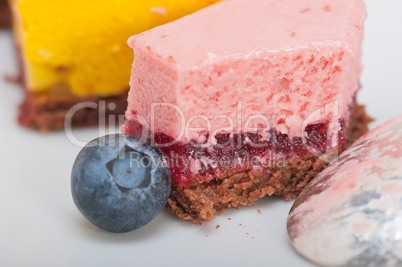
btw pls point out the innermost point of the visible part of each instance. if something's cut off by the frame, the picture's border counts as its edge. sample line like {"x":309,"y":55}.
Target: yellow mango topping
{"x":83,"y":44}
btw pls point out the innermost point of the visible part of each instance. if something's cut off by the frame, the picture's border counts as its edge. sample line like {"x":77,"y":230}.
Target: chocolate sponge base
{"x":5,"y":14}
{"x":48,"y":111}
{"x":203,"y":201}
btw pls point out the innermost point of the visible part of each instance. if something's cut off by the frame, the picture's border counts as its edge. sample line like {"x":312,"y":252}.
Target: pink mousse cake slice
{"x":248,"y":98}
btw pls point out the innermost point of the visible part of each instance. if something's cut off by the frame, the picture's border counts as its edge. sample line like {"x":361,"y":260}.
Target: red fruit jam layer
{"x":233,"y":153}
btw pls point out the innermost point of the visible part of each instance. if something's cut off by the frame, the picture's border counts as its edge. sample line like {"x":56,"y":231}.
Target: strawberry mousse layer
{"x":268,"y":58}
{"x":256,"y":88}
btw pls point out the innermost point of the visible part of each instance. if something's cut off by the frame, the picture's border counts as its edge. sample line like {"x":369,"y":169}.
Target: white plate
{"x":40,"y":226}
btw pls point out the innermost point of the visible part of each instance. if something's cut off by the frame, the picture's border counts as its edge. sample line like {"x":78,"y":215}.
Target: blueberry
{"x":120,"y":183}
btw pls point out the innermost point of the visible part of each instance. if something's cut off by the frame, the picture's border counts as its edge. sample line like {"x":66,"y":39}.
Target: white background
{"x":40,"y":226}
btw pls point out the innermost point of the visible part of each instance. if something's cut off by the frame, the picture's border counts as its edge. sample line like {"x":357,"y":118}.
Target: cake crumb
{"x":240,"y":224}
{"x":159,"y":10}
{"x":206,"y":236}
{"x":259,"y":211}
{"x":327,"y":8}
{"x":293,"y":34}
{"x":12,"y":79}
{"x":229,"y":219}
{"x":218,"y":226}
{"x":61,"y":69}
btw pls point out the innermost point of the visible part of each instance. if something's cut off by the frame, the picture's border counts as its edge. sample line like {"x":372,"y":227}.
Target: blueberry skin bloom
{"x":120,"y":183}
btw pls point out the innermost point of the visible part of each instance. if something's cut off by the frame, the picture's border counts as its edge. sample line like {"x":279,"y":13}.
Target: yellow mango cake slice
{"x":76,"y":51}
